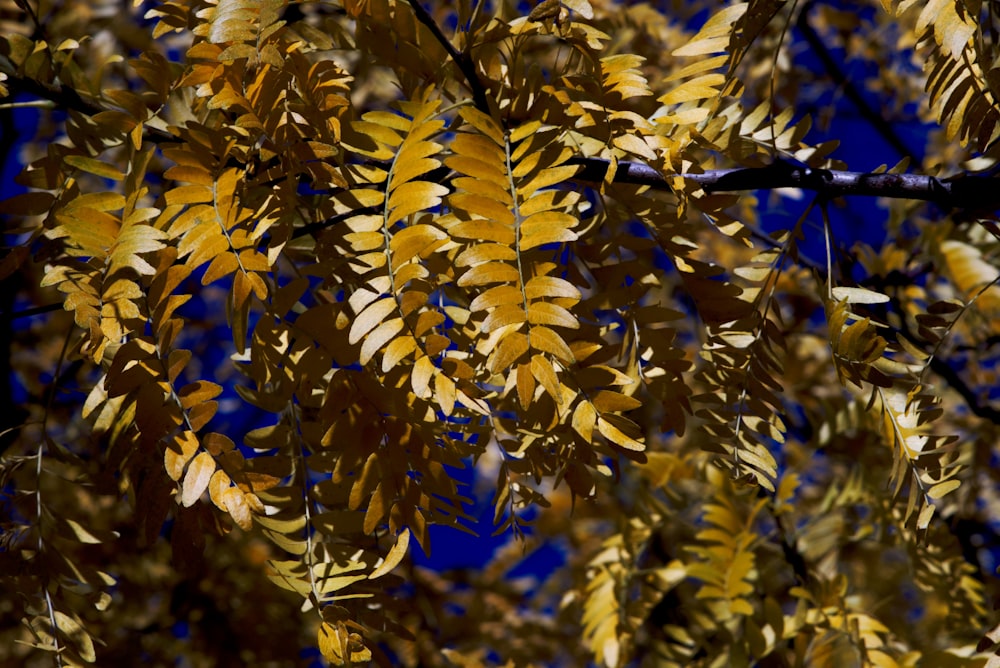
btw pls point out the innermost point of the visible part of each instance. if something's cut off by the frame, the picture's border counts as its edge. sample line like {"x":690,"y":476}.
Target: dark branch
{"x":878,"y":122}
{"x":968,"y":192}
{"x":464,"y":63}
{"x":29,"y":312}
{"x":790,"y":550}
{"x":68,"y":98}
{"x":955,"y":382}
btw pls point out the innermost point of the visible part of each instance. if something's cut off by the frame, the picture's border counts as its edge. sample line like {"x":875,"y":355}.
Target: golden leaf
{"x":546,"y":313}
{"x":544,"y":339}
{"x":199,"y":474}
{"x":616,"y":435}
{"x":394,"y":556}
{"x":179,"y":452}
{"x":508,"y":351}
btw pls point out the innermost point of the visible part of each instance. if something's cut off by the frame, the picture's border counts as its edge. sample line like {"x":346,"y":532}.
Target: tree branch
{"x":955,"y":382}
{"x":464,"y":63}
{"x":962,"y":191}
{"x":965,"y":191}
{"x":68,"y":98}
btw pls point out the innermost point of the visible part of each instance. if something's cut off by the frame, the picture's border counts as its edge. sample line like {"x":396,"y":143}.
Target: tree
{"x":290,"y":285}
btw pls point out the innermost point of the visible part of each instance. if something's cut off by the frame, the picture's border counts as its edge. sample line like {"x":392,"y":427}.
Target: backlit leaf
{"x":199,"y":474}
{"x":394,"y":556}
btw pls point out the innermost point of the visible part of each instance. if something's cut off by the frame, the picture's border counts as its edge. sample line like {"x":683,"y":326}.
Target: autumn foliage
{"x":295,"y":289}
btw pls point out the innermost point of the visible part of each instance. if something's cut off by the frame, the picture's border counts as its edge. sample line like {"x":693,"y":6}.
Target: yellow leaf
{"x":379,"y":133}
{"x":495,"y":222}
{"x":378,"y":338}
{"x":924,"y":519}
{"x":365,"y":241}
{"x":413,"y":240}
{"x":544,"y":339}
{"x":179,"y":452}
{"x":508,"y":314}
{"x":251,"y":260}
{"x":508,"y":351}
{"x":699,"y":88}
{"x":106,"y":201}
{"x":199,"y":474}
{"x":635,"y":145}
{"x":408,"y":167}
{"x":397,"y":350}
{"x":370,"y":318}
{"x":607,"y":401}
{"x":198,"y":392}
{"x":68,"y":527}
{"x":714,"y":35}
{"x":217,"y":487}
{"x":550,"y":286}
{"x":545,"y":373}
{"x":330,"y":644}
{"x":238,"y":508}
{"x":545,"y":178}
{"x":389,"y":120}
{"x":859,"y":296}
{"x":584,"y":418}
{"x":483,"y":123}
{"x":617,"y":436}
{"x":412,"y":197}
{"x":96,"y":167}
{"x":188,"y":195}
{"x":188,"y":174}
{"x":547,"y":227}
{"x":476,"y":167}
{"x":581,"y":7}
{"x":524,"y":131}
{"x":490,"y":272}
{"x":490,"y":158}
{"x":496,"y":296}
{"x":684,"y":116}
{"x":480,"y":189}
{"x":395,"y":555}
{"x":77,"y":635}
{"x":525,"y":383}
{"x":428,"y":320}
{"x":545,"y":313}
{"x":942,"y":488}
{"x":223,"y":265}
{"x":420,"y":377}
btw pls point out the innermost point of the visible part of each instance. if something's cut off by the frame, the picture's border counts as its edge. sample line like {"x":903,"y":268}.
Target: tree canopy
{"x":295,"y":292}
